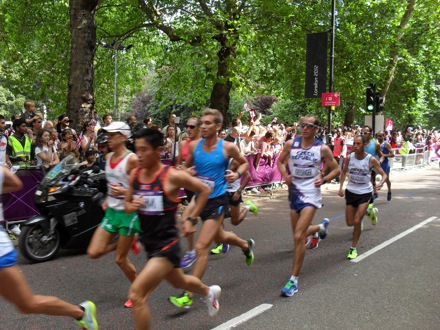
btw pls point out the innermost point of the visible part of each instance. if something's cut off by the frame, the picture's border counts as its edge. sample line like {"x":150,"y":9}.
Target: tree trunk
{"x":81,"y":100}
{"x":350,"y":115}
{"x":220,"y":95}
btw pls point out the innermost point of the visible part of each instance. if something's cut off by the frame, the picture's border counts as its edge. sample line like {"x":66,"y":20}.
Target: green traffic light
{"x":370,"y":107}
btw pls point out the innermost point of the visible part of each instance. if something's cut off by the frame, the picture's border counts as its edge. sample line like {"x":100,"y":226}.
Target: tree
{"x":80,"y":99}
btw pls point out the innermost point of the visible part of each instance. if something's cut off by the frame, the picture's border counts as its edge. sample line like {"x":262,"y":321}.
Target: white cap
{"x":118,"y":126}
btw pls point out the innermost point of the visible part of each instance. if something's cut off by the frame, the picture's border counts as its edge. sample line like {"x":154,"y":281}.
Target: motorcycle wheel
{"x":34,"y":248}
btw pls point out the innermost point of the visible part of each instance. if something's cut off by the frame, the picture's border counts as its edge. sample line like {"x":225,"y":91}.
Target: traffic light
{"x":379,"y":103}
{"x":371,"y":98}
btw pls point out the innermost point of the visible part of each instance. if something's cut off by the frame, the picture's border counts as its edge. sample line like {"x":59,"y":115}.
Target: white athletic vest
{"x":117,"y":176}
{"x":304,"y":166}
{"x":233,"y":186}
{"x":359,"y":174}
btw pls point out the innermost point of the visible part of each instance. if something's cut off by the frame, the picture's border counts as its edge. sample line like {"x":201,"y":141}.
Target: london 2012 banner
{"x":316,"y":64}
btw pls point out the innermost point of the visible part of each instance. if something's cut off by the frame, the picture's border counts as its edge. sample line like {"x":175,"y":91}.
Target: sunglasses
{"x":190,"y":126}
{"x":39,"y":122}
{"x":365,"y":133}
{"x":303,"y":125}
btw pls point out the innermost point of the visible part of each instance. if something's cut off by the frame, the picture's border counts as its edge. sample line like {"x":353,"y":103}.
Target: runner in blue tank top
{"x":305,"y":156}
{"x":210,"y":157}
{"x":387,"y":152}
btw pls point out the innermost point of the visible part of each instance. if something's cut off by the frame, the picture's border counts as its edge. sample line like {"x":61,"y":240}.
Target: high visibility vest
{"x":19,"y":151}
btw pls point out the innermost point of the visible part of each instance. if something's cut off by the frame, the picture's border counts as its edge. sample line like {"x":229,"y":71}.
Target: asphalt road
{"x":395,"y":287}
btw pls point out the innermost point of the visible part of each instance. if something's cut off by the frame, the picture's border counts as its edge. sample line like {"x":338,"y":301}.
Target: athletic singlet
{"x":157,"y":216}
{"x":371,"y":148}
{"x":185,"y":150}
{"x":211,"y":167}
{"x":385,"y":151}
{"x":233,"y":186}
{"x":6,"y":245}
{"x":359,"y":174}
{"x":116,"y":174}
{"x":304,"y":166}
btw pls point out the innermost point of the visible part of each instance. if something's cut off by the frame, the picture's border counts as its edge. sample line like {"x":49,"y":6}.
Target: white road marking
{"x":243,"y":317}
{"x":392,"y":240}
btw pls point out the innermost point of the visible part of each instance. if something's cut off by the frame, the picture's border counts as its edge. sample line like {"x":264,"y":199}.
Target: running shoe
{"x":352,"y":254}
{"x":213,"y":304}
{"x":389,"y":196}
{"x":15,"y":229}
{"x":182,"y":301}
{"x":373,"y":216}
{"x":135,"y":245}
{"x":289,"y":289}
{"x":369,"y":209}
{"x":252,"y":207}
{"x":218,"y":249}
{"x":255,"y":191}
{"x":249,"y":254}
{"x":225,"y":248}
{"x":188,"y":259}
{"x":323,"y":231}
{"x":128,"y":304}
{"x":315,"y":241}
{"x":307,"y":241}
{"x":88,"y":320}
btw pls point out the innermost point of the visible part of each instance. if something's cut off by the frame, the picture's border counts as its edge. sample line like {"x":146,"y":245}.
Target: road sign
{"x":331,"y":99}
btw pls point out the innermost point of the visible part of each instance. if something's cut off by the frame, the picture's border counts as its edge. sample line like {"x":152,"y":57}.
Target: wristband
{"x":239,"y":191}
{"x":239,"y":173}
{"x":193,"y":220}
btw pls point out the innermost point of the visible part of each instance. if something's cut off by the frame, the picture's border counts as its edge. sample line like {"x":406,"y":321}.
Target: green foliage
{"x":177,"y":73}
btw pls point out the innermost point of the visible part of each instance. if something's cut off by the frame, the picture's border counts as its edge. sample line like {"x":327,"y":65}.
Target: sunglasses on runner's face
{"x":365,"y":133}
{"x":190,"y":126}
{"x":308,"y":125}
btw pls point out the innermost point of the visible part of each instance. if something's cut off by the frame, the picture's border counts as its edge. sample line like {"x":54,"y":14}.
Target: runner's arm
{"x":132,"y":204}
{"x":11,"y":182}
{"x":343,"y":176}
{"x":390,"y":150}
{"x":281,"y":163}
{"x":232,"y":152}
{"x":375,"y":163}
{"x":328,"y":159}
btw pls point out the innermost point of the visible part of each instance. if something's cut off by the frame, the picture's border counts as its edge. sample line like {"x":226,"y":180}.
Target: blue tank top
{"x":385,"y":151}
{"x":371,"y":148}
{"x":211,"y":168}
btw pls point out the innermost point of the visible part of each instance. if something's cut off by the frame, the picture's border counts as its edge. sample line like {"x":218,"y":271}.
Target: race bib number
{"x":153,"y":203}
{"x":210,"y":182}
{"x":359,"y":179}
{"x":304,"y":172}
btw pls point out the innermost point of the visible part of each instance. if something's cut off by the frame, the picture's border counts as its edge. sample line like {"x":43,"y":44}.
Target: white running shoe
{"x":213,"y":304}
{"x":15,"y":229}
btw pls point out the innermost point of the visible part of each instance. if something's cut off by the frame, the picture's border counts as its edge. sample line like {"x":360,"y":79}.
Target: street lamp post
{"x":117,"y":47}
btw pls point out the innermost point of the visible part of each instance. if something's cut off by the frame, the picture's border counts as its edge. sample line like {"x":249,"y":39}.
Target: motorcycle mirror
{"x":96,"y":169}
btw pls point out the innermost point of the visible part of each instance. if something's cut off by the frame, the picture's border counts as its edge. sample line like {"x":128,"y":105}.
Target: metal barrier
{"x":422,"y":156}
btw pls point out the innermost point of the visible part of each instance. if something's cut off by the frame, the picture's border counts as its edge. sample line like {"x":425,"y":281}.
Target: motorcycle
{"x":69,"y":201}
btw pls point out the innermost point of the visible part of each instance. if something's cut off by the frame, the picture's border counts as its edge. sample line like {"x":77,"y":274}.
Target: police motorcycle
{"x":69,"y":202}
